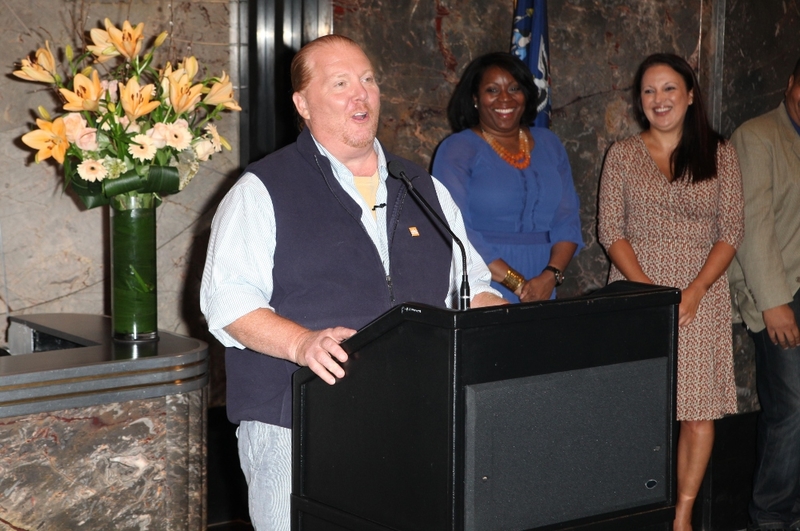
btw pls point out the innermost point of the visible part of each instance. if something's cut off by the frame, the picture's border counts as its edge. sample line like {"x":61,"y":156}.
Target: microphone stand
{"x":397,"y":170}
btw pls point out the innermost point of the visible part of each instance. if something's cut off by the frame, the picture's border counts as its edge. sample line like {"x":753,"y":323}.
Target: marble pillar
{"x":761,"y":47}
{"x":419,"y":50}
{"x":135,"y":466}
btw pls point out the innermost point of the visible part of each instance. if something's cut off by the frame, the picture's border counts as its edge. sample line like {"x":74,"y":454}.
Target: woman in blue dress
{"x":513,"y":183}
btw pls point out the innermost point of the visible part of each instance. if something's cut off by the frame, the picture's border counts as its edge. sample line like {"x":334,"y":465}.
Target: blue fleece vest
{"x":327,"y":270}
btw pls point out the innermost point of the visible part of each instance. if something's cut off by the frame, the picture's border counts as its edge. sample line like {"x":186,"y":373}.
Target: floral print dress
{"x":672,"y":227}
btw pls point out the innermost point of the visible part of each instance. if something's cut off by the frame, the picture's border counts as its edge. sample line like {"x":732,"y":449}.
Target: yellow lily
{"x":221,"y":93}
{"x":182,"y":95}
{"x":190,"y":66}
{"x":160,"y":39}
{"x":50,"y":139}
{"x":136,"y":100}
{"x":102,"y":48}
{"x":87,"y":94}
{"x":128,"y":40}
{"x":164,"y":80}
{"x":41,"y":69}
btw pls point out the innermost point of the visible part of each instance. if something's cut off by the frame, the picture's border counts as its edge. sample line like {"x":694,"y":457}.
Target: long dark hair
{"x":461,"y":111}
{"x":695,"y":156}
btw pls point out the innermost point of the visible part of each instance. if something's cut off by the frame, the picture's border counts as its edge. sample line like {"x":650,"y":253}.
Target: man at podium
{"x":313,"y":242}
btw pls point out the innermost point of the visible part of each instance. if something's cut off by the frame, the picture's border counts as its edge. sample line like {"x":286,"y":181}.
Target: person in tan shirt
{"x":765,"y":288}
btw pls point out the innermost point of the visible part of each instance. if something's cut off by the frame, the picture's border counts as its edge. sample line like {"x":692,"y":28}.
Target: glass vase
{"x":134,"y":299}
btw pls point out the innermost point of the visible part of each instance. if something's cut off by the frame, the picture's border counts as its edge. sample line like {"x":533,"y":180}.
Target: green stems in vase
{"x":134,"y":300}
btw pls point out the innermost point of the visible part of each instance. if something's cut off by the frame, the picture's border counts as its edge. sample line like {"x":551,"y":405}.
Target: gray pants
{"x":265,"y":454}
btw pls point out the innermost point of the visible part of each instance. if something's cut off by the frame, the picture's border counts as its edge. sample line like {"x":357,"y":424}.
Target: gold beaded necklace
{"x":519,"y":160}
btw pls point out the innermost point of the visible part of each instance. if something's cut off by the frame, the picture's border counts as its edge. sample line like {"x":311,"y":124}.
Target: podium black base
{"x":549,"y":416}
{"x":308,"y":515}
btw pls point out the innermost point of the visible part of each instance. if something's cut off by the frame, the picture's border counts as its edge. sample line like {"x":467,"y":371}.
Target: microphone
{"x":398,"y":171}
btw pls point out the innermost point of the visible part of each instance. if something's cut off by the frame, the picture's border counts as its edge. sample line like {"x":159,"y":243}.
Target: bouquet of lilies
{"x":133,"y":129}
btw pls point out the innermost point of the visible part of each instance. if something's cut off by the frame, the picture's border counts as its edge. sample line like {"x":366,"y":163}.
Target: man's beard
{"x":364,"y":139}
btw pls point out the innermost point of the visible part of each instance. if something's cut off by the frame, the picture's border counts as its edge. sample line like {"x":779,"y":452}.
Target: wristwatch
{"x":557,"y":272}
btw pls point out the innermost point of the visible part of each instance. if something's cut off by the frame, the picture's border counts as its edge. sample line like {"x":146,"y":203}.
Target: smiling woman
{"x":671,"y":213}
{"x":665,"y":99}
{"x":512,"y":182}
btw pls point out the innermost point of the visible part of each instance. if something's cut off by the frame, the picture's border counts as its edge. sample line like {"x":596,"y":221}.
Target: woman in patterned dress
{"x":671,"y":213}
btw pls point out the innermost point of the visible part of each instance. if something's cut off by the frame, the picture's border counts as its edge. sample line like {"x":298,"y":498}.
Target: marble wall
{"x":53,"y":252}
{"x":595,"y":48}
{"x":761,"y":48}
{"x":742,"y":51}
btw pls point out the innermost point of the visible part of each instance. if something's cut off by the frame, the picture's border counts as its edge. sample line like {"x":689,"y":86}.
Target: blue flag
{"x":530,"y":42}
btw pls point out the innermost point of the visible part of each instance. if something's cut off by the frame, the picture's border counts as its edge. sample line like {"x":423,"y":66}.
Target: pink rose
{"x":74,"y":124}
{"x":87,"y":139}
{"x":128,"y":126}
{"x":111,"y":89}
{"x":203,"y":149}
{"x":159,"y":134}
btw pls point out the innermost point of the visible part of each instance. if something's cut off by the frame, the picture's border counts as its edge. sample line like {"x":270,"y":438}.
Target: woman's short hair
{"x":461,"y":111}
{"x":695,"y":157}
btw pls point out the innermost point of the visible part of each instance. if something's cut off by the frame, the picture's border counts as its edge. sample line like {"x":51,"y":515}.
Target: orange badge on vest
{"x":414,"y":232}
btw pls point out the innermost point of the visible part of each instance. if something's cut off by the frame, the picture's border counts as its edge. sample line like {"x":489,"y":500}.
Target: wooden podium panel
{"x":547,"y":415}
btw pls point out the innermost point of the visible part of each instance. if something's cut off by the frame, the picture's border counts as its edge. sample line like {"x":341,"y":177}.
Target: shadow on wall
{"x":190,"y":301}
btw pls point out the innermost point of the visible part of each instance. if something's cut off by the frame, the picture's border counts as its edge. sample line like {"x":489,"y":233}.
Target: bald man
{"x":312,"y":243}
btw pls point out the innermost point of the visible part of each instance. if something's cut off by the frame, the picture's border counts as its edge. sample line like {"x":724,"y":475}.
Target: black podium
{"x":549,"y":415}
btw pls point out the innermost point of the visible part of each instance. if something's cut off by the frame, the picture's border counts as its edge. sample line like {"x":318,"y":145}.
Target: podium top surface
{"x":617,"y":296}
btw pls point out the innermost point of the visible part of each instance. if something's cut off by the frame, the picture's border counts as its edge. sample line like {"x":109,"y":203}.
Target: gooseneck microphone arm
{"x":398,"y":171}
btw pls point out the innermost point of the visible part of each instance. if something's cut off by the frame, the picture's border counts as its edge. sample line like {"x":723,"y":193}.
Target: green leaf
{"x":92,"y":201}
{"x":127,"y":182}
{"x":159,"y":180}
{"x":91,"y":193}
{"x":67,"y":172}
{"x":162,"y":180}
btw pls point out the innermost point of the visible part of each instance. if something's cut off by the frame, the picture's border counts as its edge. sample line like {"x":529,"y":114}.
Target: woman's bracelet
{"x":513,"y":281}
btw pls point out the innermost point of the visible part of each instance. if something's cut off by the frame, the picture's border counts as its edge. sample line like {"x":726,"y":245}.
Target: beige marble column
{"x":137,"y":465}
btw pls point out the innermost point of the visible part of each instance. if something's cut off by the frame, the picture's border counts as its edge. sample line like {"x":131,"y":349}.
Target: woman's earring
{"x":475,"y":105}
